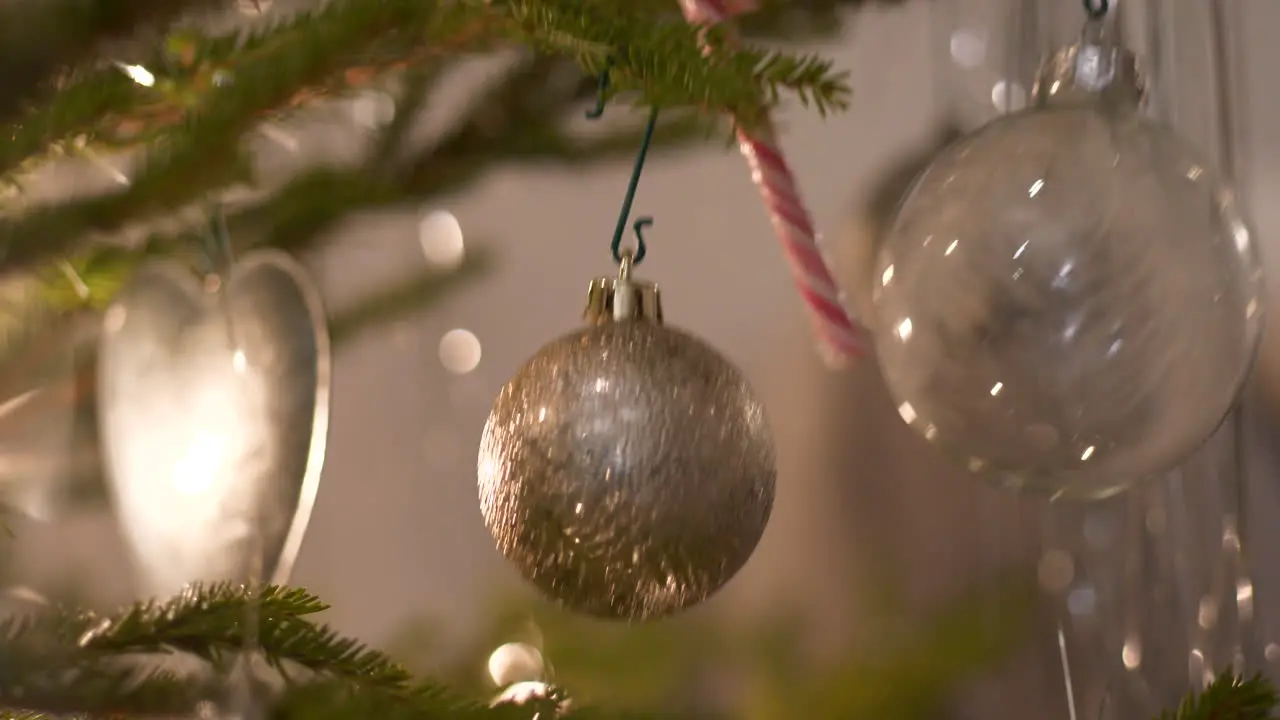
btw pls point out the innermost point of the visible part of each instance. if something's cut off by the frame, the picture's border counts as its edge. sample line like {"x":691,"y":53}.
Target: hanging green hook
{"x":640,"y":224}
{"x":629,"y":198}
{"x":602,"y":92}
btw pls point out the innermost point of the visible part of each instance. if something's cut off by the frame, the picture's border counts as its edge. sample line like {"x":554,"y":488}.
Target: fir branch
{"x":83,"y":102}
{"x":515,"y":123}
{"x":207,"y":622}
{"x":40,"y":39}
{"x":360,"y":40}
{"x":202,"y":153}
{"x":667,"y":63}
{"x":272,"y":69}
{"x":204,"y":621}
{"x":66,"y":663}
{"x":1229,"y":697}
{"x":79,"y":689}
{"x":409,"y":105}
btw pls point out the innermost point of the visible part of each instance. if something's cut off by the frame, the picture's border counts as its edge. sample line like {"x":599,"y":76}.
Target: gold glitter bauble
{"x":627,"y":470}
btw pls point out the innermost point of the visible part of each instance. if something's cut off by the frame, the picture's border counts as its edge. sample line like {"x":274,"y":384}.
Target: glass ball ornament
{"x":1070,"y":298}
{"x":627,"y":470}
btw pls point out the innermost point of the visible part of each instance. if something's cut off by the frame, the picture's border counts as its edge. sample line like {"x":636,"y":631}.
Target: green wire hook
{"x":641,"y":223}
{"x":602,"y":91}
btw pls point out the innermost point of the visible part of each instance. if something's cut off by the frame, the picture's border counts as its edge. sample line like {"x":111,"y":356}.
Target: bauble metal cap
{"x":622,"y":298}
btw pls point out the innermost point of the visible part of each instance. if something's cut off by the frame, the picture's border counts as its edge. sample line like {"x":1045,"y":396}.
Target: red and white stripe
{"x":841,"y":338}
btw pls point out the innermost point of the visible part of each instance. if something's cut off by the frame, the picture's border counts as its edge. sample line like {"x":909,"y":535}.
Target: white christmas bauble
{"x":1070,"y":298}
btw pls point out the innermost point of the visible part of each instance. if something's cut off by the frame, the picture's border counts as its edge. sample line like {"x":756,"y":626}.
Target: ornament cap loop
{"x":623,"y":298}
{"x":1095,"y":71}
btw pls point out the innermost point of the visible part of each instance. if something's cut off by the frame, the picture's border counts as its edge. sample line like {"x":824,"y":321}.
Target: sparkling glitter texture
{"x":627,"y":470}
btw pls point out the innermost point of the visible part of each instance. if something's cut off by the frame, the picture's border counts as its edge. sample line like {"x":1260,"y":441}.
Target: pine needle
{"x":1229,"y":697}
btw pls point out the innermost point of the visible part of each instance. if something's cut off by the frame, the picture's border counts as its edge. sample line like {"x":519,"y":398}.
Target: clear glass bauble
{"x":1069,"y":300}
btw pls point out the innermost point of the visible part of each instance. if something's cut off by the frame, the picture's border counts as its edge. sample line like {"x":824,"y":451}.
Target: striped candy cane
{"x":840,"y":338}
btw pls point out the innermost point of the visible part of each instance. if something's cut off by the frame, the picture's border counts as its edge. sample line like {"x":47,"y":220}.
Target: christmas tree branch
{"x":357,"y":41}
{"x":510,"y":124}
{"x":206,"y":622}
{"x":1229,"y":697}
{"x":38,"y":40}
{"x":62,"y":662}
{"x":205,"y":91}
{"x":269,"y":71}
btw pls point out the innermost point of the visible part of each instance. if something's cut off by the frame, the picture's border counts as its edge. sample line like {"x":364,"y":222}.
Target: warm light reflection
{"x":440,"y":235}
{"x":1008,"y":96}
{"x":197,"y":470}
{"x":968,"y":49}
{"x":1244,"y":599}
{"x":1035,"y":188}
{"x":111,"y":170}
{"x":460,"y":351}
{"x":1131,"y":654}
{"x":1088,"y":453}
{"x":995,"y":389}
{"x":907,"y":412}
{"x":904,"y":329}
{"x":952,"y":247}
{"x":1240,"y":234}
{"x":138,"y":74}
{"x":1207,"y":613}
{"x":280,"y":137}
{"x":1195,"y":660}
{"x":515,"y":663}
{"x":114,"y":318}
{"x":182,"y":482}
{"x":887,"y":276}
{"x":373,"y":110}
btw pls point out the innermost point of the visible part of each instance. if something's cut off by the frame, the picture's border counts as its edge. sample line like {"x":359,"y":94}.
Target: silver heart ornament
{"x":213,"y":405}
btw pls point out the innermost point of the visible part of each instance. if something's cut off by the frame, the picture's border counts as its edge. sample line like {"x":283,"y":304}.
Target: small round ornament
{"x":1070,"y":298}
{"x":627,"y":470}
